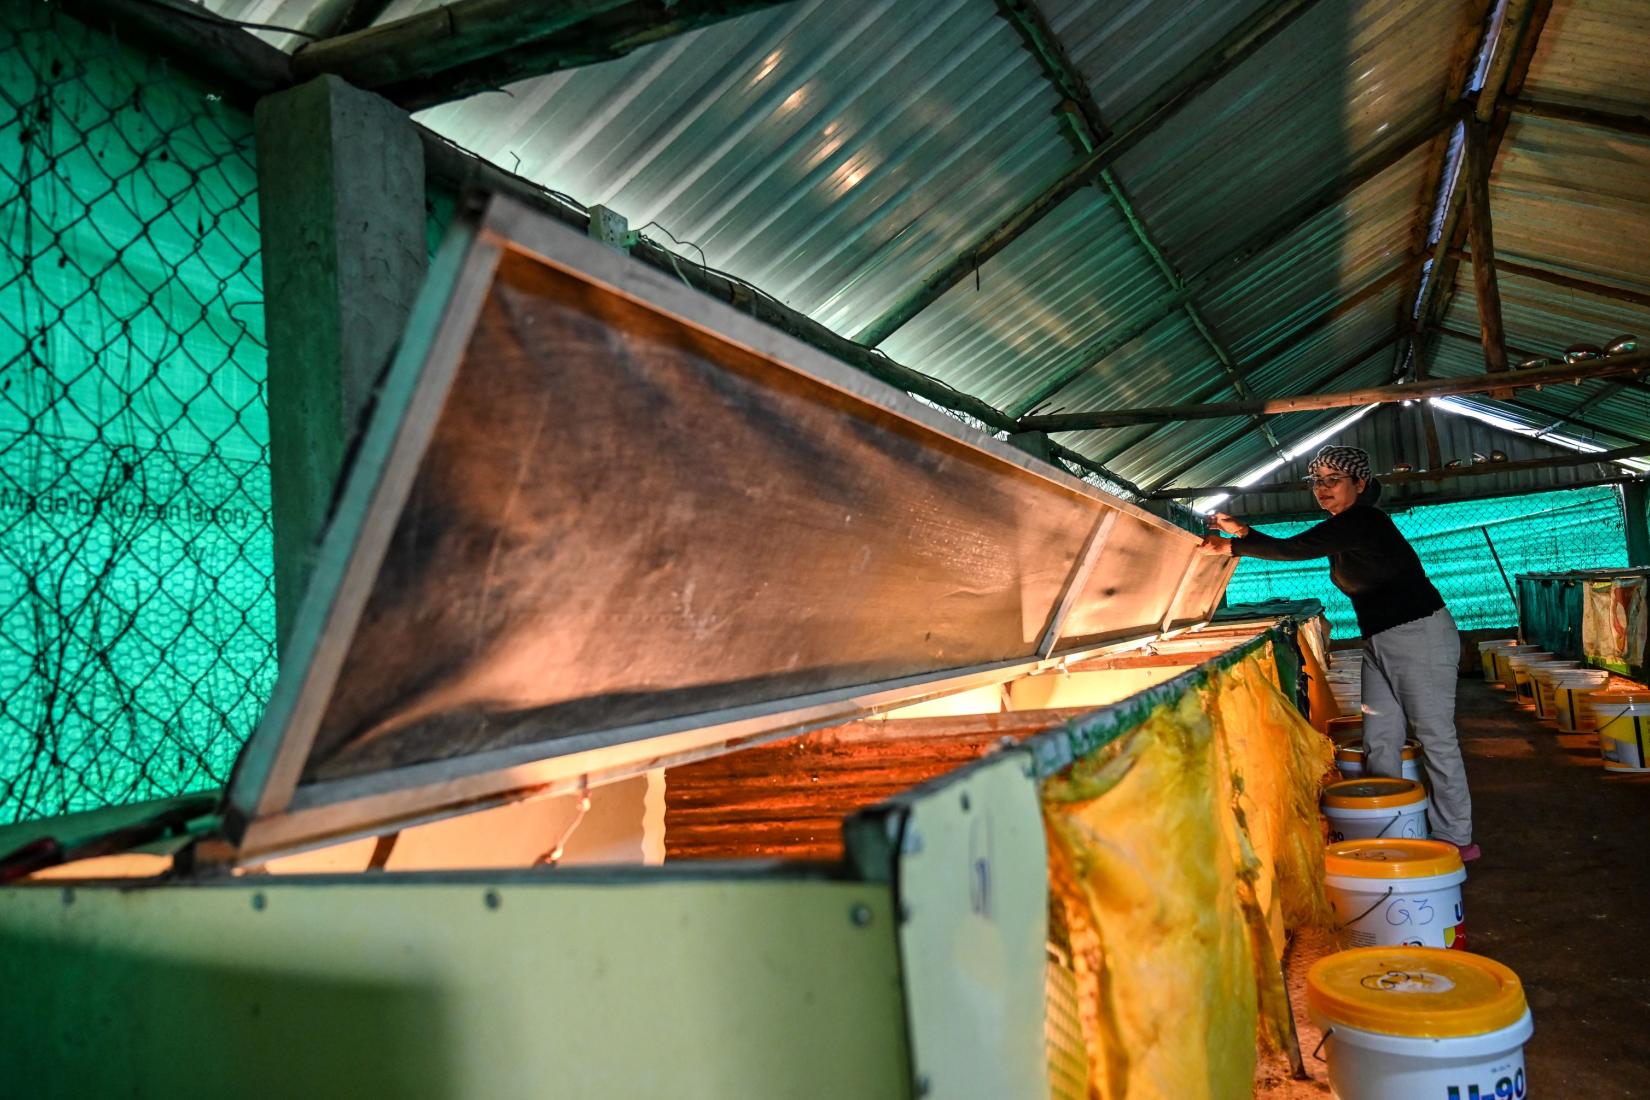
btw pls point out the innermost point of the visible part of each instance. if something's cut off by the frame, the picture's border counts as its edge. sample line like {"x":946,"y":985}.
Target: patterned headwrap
{"x":1353,"y":461}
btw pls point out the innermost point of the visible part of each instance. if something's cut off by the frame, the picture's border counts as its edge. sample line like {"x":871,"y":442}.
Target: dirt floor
{"x":1561,"y":895}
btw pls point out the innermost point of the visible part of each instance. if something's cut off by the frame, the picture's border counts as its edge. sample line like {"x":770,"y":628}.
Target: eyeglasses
{"x":1328,"y":482}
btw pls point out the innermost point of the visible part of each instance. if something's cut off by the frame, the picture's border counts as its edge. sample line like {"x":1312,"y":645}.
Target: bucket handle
{"x":1395,"y":819}
{"x":1378,"y":903}
{"x":1317,"y":1051}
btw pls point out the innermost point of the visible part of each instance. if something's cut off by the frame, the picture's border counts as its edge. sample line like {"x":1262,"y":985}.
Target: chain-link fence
{"x":1471,"y":550}
{"x":136,"y":603}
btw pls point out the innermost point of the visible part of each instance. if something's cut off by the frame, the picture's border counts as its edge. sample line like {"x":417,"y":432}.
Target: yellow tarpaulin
{"x":1174,"y":850}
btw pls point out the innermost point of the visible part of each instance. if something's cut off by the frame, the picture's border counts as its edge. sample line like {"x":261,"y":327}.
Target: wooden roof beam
{"x":1350,"y":365}
{"x":1429,"y":476}
{"x":1191,"y":81}
{"x":1487,"y":292}
{"x":472,"y":46}
{"x":1632,"y":125}
{"x":1635,"y":363}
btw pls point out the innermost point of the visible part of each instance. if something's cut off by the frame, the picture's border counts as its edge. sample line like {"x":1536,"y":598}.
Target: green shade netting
{"x":1542,"y":532}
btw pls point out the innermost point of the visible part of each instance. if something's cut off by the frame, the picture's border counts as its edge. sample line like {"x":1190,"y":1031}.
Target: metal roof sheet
{"x":834,"y":154}
{"x":830,"y":153}
{"x":1594,"y":53}
{"x":1127,"y":51}
{"x":1299,"y":114}
{"x":1077,"y":276}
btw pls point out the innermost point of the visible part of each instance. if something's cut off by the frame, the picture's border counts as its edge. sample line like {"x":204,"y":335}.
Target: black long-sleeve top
{"x":1369,"y":560}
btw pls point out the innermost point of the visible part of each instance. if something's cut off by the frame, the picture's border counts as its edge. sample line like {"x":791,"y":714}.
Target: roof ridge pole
{"x":1208,"y":68}
{"x":1513,"y":41}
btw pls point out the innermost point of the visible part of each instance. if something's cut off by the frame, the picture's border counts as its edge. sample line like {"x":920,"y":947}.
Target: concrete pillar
{"x":341,"y":203}
{"x":1635,"y":502}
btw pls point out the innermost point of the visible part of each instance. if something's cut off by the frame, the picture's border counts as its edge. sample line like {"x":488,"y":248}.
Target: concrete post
{"x":1635,"y":502}
{"x":341,"y":201}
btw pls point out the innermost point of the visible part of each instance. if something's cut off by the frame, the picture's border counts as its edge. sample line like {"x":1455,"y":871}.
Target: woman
{"x":1411,"y":648}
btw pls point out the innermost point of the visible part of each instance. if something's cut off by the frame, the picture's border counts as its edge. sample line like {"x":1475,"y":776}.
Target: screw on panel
{"x":259,"y":902}
{"x":965,"y":802}
{"x":860,"y":915}
{"x":492,"y":900}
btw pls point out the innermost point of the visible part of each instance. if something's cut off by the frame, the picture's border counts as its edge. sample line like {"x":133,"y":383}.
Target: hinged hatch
{"x":600,"y":521}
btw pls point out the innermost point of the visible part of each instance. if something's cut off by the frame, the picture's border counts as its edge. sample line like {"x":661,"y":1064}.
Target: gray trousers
{"x":1409,"y":678}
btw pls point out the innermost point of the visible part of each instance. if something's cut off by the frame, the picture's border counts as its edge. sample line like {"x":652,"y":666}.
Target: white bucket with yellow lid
{"x":1542,"y":674}
{"x":1623,"y":729}
{"x":1520,"y":661}
{"x":1502,"y":671}
{"x":1403,"y":1023}
{"x":1391,"y":893}
{"x":1350,"y":759}
{"x":1570,"y":692}
{"x":1375,"y":807}
{"x":1487,"y":658}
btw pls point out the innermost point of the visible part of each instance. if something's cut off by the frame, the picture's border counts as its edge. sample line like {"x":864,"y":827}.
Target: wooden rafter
{"x":1634,"y":125}
{"x":1351,"y":364}
{"x":1487,"y":290}
{"x":1428,"y":476}
{"x":473,"y":46}
{"x":1208,"y":68}
{"x":1635,"y":363}
{"x":1523,"y":23}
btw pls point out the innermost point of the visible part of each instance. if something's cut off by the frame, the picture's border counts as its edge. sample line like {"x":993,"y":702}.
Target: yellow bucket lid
{"x":1418,"y":992}
{"x":1398,"y":857}
{"x":1373,"y":793}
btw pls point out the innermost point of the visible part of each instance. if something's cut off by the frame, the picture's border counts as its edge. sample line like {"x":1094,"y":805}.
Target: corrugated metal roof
{"x":835,"y":154}
{"x":1573,"y":195}
{"x":1127,"y":51}
{"x":828,"y":152}
{"x":1594,"y":53}
{"x":1076,"y":277}
{"x":1294,"y":118}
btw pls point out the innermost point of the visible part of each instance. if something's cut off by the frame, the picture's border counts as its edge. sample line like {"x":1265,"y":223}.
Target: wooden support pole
{"x":1637,"y":362}
{"x":1480,"y":229}
{"x":341,"y":202}
{"x":1479,"y":470}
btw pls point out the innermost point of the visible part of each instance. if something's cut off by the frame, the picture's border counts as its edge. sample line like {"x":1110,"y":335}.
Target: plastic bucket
{"x":1349,"y":760}
{"x":1542,"y":674}
{"x":1623,"y":728}
{"x":1570,"y":692}
{"x":1520,"y":662}
{"x":1375,"y":807}
{"x":1487,"y":658}
{"x":1502,"y":671}
{"x":1407,"y":1023}
{"x":1392,"y":893}
{"x":1345,"y":725}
